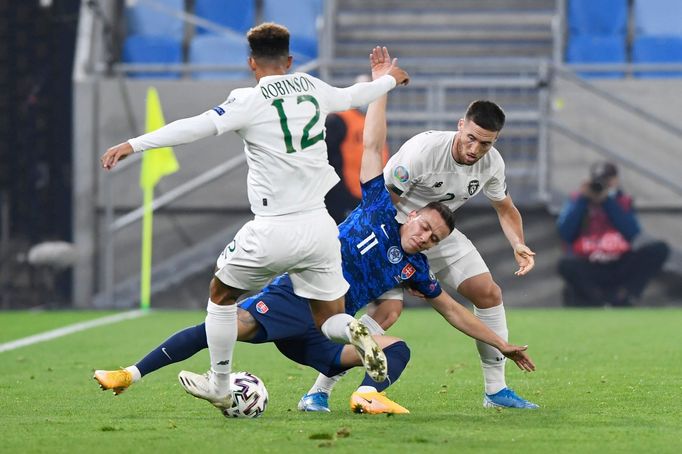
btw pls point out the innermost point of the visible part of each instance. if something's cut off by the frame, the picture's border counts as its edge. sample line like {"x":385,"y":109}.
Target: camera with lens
{"x":597,"y":186}
{"x":600,"y":175}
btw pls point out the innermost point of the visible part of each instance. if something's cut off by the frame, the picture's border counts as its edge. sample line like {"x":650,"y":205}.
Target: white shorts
{"x":472,"y":264}
{"x":455,"y":260}
{"x":304,"y":244}
{"x":449,"y":251}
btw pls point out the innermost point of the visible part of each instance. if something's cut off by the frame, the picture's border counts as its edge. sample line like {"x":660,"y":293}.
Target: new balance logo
{"x":223,"y":363}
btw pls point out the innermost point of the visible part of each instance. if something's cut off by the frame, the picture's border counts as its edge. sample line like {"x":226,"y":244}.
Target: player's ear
{"x":412,"y":214}
{"x":252,"y":63}
{"x":290,"y":60}
{"x":460,"y":124}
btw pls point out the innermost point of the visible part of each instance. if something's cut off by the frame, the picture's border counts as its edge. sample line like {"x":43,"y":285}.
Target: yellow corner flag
{"x":155,"y":164}
{"x":160,"y":161}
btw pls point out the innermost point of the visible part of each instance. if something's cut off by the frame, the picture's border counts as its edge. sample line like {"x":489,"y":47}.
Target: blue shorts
{"x":285,"y":319}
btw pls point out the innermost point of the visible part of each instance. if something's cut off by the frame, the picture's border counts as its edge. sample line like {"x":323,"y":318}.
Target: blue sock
{"x":397,"y":356}
{"x":178,"y":347}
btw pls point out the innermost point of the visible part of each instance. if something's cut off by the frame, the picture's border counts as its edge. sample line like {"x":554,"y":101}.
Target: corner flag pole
{"x":156,"y":163}
{"x":147,"y":238}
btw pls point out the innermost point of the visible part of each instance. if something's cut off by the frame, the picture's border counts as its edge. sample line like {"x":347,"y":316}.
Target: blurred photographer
{"x":598,"y":225}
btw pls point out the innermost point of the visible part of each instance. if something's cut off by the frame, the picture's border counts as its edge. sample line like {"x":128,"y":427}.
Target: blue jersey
{"x":373,"y":259}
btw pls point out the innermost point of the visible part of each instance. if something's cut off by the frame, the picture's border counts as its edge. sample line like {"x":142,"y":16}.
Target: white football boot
{"x":202,"y":387}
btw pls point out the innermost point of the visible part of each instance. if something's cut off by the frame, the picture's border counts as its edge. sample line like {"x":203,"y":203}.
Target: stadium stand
{"x":145,"y":19}
{"x":597,"y":49}
{"x":238,"y":15}
{"x":149,"y":49}
{"x":658,"y":17}
{"x":658,"y":35}
{"x":597,"y":34}
{"x":154,"y":37}
{"x":217,"y":50}
{"x":443,"y":29}
{"x":300,"y":17}
{"x":604,"y":17}
{"x":657,"y":49}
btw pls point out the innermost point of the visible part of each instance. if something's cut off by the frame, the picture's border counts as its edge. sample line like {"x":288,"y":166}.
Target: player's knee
{"x":324,"y":310}
{"x":488,"y":296}
{"x":389,"y":319}
{"x":222,"y":294}
{"x":387,"y":313}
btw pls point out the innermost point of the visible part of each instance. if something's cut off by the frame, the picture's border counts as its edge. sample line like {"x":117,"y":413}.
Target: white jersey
{"x":424,"y":171}
{"x":281,"y":121}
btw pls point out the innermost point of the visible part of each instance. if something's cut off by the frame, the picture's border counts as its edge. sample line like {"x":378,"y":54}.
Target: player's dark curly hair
{"x":269,"y":41}
{"x":486,"y":114}
{"x":445,"y":212}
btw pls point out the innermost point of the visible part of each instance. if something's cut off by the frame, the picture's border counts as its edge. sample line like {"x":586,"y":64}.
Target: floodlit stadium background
{"x":579,"y":80}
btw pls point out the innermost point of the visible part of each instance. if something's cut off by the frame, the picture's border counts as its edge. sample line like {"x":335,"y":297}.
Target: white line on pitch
{"x":70,"y":329}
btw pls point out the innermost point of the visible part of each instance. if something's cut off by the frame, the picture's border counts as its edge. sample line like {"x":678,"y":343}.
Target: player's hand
{"x":381,"y":64}
{"x":518,"y":354}
{"x":525,"y":258}
{"x":115,"y":154}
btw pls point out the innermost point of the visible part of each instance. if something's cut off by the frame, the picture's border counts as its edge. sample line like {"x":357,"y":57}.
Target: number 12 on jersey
{"x":306,"y":140}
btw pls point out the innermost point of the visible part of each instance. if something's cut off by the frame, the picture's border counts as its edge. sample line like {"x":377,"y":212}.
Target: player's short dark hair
{"x":486,"y":114}
{"x":445,"y":213}
{"x":269,"y":41}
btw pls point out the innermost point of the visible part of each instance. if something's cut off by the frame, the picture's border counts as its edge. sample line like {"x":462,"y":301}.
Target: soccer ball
{"x":249,"y":396}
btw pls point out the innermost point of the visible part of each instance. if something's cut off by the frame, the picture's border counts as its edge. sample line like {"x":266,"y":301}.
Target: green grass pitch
{"x":607,"y":381}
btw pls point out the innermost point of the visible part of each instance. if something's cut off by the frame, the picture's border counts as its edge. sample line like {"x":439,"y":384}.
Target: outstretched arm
{"x":512,"y":226}
{"x":374,"y":133}
{"x":178,"y":132}
{"x":459,"y":317}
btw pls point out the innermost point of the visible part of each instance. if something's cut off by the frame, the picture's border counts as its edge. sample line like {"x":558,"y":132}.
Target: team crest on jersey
{"x":407,"y":272}
{"x":219,"y":110}
{"x":401,"y":174}
{"x":261,"y":307}
{"x":394,"y":254}
{"x":473,"y":186}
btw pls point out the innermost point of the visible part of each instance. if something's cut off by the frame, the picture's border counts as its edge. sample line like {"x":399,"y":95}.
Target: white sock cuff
{"x":489,"y":312}
{"x":336,"y":328}
{"x":218,"y":310}
{"x":135,"y":372}
{"x":372,"y":325}
{"x":366,"y":389}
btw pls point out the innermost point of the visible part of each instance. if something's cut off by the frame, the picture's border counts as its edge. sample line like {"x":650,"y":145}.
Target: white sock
{"x":336,"y":328}
{"x":374,"y":328}
{"x":221,"y":335}
{"x":492,"y":360}
{"x":325,"y":384}
{"x":135,"y":372}
{"x":366,"y":389}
